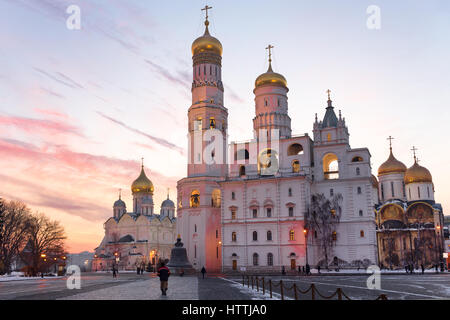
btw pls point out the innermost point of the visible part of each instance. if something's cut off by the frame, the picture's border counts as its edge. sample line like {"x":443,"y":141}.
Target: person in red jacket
{"x":163,"y":274}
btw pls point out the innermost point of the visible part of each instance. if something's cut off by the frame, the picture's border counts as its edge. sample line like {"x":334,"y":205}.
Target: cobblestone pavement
{"x":180,"y":288}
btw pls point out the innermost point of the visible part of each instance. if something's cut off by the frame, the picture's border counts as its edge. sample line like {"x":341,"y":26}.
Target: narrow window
{"x":233,"y":236}
{"x":290,"y":192}
{"x":195,"y":228}
{"x":359,"y":190}
{"x":210,"y":70}
{"x":217,"y":252}
{"x":279,"y":103}
{"x":216,"y":70}
{"x":331,"y":192}
{"x":233,"y":196}
{"x":242,"y":170}
{"x":291,"y":235}
{"x":404,"y":190}
{"x":361,"y":233}
{"x":418,"y":191}
{"x":360,"y":213}
{"x":217,"y":234}
{"x":409,"y":191}
{"x":358,"y":172}
{"x":255,"y":259}
{"x":255,"y":213}
{"x":392,"y":188}
{"x":382,"y":192}
{"x":269,"y":235}
{"x":265,"y":102}
{"x":269,"y":212}
{"x":428,"y":190}
{"x":255,"y":236}
{"x":204,"y":70}
{"x":270,"y":259}
{"x":291,"y":211}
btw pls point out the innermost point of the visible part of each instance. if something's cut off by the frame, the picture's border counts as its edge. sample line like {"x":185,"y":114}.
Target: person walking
{"x":164,"y":274}
{"x":203,"y":272}
{"x":114,"y":272}
{"x":318,"y":269}
{"x":423,"y":268}
{"x":307,"y":270}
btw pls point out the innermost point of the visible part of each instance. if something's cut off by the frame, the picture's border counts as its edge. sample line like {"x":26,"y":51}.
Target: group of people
{"x":304,"y":270}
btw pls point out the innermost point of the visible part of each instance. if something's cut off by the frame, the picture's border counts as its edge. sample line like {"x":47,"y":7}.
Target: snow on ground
{"x":22,"y":278}
{"x":254,"y":293}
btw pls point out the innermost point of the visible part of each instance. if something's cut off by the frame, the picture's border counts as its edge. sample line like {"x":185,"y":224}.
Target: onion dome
{"x":391,"y":165}
{"x":417,"y":173}
{"x":119,"y":203}
{"x":206,"y":43}
{"x":374,"y":181}
{"x":167,"y":204}
{"x":270,"y":78}
{"x":142,"y":183}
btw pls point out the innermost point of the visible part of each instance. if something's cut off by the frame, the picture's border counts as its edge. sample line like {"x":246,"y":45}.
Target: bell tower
{"x":208,"y":118}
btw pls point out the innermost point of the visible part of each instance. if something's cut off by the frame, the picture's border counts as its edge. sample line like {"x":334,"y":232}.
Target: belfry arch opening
{"x":295,"y":149}
{"x":330,"y":166}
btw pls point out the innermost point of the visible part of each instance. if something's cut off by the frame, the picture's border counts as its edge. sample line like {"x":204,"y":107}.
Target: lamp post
{"x":305,"y":232}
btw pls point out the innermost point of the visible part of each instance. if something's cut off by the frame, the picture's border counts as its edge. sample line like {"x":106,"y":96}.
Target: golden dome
{"x":206,"y":43}
{"x":417,"y":174}
{"x":142,"y":183}
{"x":391,"y":165}
{"x":271,"y":78}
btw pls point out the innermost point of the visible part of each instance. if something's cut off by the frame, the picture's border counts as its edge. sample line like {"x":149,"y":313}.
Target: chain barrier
{"x":296,"y":290}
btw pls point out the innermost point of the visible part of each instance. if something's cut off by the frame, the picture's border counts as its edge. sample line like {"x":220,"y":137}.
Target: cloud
{"x":60,"y":78}
{"x":31,"y":125}
{"x":52,"y":93}
{"x":49,"y":112}
{"x":167,"y":75}
{"x":159,"y":141}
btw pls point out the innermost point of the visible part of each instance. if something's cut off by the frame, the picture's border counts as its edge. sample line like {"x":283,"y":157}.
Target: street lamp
{"x":305,"y":232}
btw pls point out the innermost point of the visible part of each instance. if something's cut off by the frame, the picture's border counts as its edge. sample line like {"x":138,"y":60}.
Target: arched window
{"x":358,"y":171}
{"x":291,"y":235}
{"x":295,"y":149}
{"x":330,"y":166}
{"x":233,"y":237}
{"x":392,"y":189}
{"x":216,"y":198}
{"x":290,"y":192}
{"x":360,"y":213}
{"x":269,"y":212}
{"x":359,"y":190}
{"x":195,"y":228}
{"x":269,"y":235}
{"x":212,"y":123}
{"x":291,"y":211}
{"x":255,"y":213}
{"x":242,"y":170}
{"x":296,"y":166}
{"x":270,"y":259}
{"x":357,"y":159}
{"x":361,"y":233}
{"x":255,"y":236}
{"x":233,"y":195}
{"x":195,"y":199}
{"x":255,"y":259}
{"x":382,"y":192}
{"x":334,"y":236}
{"x":418,"y":191}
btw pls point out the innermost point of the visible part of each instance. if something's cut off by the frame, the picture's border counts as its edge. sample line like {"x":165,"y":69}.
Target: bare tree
{"x":46,"y":237}
{"x":15,"y":221}
{"x":323,"y":216}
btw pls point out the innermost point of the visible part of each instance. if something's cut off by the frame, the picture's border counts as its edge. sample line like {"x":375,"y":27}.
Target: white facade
{"x":250,"y":212}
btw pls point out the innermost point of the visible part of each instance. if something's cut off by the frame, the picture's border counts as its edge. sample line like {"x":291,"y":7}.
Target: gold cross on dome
{"x":390,"y":141}
{"x":329,"y":91}
{"x":269,"y":47}
{"x":414,"y":149}
{"x":206,"y":8}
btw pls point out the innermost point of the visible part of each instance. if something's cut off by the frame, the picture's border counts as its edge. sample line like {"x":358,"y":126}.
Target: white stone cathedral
{"x":242,"y":205}
{"x":139,"y":237}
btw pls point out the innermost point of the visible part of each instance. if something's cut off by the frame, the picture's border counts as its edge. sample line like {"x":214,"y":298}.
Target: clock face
{"x":268,"y":162}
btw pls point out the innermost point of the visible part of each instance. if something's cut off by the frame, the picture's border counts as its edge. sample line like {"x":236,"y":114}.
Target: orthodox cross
{"x":270,"y":52}
{"x":390,"y":142}
{"x":329,"y":91}
{"x":142,"y":159}
{"x":206,"y":8}
{"x":414,"y":149}
{"x":120,"y":193}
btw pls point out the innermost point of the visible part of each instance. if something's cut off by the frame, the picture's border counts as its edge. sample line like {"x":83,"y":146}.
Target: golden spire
{"x":142,"y":160}
{"x":269,"y":47}
{"x":168,"y":193}
{"x":329,"y":91}
{"x":120,"y":194}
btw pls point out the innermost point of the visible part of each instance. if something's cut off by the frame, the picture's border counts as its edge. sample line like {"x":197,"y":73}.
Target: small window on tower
{"x":265,"y":102}
{"x":279,"y":102}
{"x":291,"y":211}
{"x":212,"y":123}
{"x":210,"y":70}
{"x":361,"y":233}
